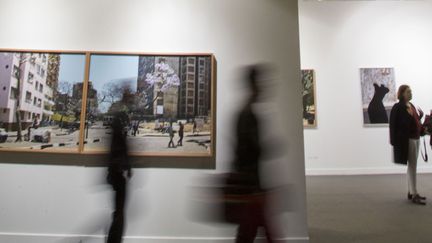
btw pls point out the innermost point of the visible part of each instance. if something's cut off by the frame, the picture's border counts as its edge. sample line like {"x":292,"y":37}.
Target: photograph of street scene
{"x":40,"y":100}
{"x":167,"y":99}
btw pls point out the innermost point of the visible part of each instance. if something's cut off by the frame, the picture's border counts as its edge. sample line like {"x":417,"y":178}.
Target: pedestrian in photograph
{"x":135,"y":127}
{"x":130,"y":128}
{"x":61,"y":123}
{"x":405,"y":132}
{"x":118,"y":165}
{"x":194,"y":129}
{"x":34,"y":125}
{"x":29,"y":133}
{"x":181,"y":134}
{"x":35,"y":122}
{"x":171,"y":136}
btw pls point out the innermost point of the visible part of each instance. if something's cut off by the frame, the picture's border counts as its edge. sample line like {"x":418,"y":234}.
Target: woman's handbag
{"x":424,"y":154}
{"x":229,"y":200}
{"x":427,"y":127}
{"x":240,"y":194}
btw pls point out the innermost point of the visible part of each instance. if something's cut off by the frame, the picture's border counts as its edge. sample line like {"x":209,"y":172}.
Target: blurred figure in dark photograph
{"x":181,"y":134}
{"x":135,"y":126}
{"x":246,"y":167}
{"x":119,"y":169}
{"x":35,"y":122}
{"x":34,"y":125}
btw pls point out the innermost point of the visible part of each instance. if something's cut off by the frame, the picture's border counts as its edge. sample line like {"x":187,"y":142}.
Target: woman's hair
{"x":401,"y":91}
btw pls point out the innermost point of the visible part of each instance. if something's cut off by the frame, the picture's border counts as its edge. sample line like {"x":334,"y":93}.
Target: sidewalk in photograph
{"x":99,"y":138}
{"x":201,"y":134}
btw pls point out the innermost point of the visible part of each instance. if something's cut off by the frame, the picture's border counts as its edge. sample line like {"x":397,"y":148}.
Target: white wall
{"x":43,"y":203}
{"x":339,"y":37}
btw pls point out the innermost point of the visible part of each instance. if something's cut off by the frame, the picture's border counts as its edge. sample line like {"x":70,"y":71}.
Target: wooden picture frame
{"x":197,"y":159}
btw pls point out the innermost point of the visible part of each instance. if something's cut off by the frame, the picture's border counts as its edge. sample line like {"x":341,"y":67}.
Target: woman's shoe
{"x":416,"y":199}
{"x":410,"y":196}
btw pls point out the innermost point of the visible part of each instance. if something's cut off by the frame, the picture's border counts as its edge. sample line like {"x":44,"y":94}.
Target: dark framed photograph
{"x":309,"y":98}
{"x":378,"y":87}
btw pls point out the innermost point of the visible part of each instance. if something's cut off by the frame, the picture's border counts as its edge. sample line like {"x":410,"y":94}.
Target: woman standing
{"x":405,"y":132}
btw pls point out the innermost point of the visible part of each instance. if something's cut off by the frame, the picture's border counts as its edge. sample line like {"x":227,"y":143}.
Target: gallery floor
{"x":346,"y":209}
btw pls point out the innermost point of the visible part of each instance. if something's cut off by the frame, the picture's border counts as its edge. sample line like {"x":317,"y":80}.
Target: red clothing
{"x":415,"y":125}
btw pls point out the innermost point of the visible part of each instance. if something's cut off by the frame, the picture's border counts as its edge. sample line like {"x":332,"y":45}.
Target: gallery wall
{"x":338,"y":38}
{"x":42,"y":203}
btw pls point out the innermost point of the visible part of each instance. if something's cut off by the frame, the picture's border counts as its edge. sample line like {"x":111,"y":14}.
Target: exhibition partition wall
{"x":44,"y":201}
{"x":362,"y":43}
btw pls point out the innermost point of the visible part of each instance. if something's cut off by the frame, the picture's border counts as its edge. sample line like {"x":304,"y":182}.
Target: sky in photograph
{"x":113,"y":68}
{"x":72,"y":68}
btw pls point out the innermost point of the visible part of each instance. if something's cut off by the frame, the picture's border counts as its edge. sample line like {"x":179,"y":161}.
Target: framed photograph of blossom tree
{"x":168,"y":99}
{"x":63,"y":103}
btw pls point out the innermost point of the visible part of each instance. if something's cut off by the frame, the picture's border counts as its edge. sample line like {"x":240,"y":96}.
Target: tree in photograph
{"x":308,"y":96}
{"x":65,"y":104}
{"x":111,"y":93}
{"x":140,"y":100}
{"x":92,"y":102}
{"x":18,"y":74}
{"x":120,"y":97}
{"x":53,"y":71}
{"x":162,"y":79}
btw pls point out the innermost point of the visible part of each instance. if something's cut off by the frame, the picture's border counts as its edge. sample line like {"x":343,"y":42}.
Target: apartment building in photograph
{"x":23,"y":79}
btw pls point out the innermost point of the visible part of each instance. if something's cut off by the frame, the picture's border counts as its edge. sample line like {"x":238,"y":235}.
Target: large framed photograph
{"x":169,"y":100}
{"x":309,"y":98}
{"x":40,"y":100}
{"x":378,"y":87}
{"x":65,"y":101}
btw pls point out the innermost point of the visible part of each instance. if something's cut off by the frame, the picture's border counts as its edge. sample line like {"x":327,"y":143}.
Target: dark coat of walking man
{"x":247,"y":164}
{"x":118,"y":165}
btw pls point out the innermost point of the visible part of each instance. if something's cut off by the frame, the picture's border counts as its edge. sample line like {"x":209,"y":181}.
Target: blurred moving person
{"x":251,"y":214}
{"x":256,"y":192}
{"x":119,"y":169}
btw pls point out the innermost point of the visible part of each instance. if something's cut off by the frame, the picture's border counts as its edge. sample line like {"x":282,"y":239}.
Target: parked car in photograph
{"x":3,"y":135}
{"x":107,"y":120}
{"x":41,"y":135}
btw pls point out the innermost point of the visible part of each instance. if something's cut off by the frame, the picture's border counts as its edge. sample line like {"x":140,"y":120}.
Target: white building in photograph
{"x":35,"y":96}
